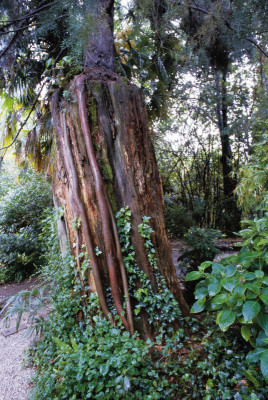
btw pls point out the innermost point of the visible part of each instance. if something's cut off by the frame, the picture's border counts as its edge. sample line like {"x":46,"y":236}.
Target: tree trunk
{"x":106,"y":161}
{"x":229,"y":182}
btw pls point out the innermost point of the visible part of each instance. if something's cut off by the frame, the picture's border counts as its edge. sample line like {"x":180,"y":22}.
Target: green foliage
{"x":21,"y":205}
{"x":86,"y":357}
{"x":161,"y":307}
{"x":81,"y":355}
{"x":237,"y":289}
{"x":253,"y":186}
{"x":178,"y":219}
{"x":211,"y":365}
{"x":202,"y":243}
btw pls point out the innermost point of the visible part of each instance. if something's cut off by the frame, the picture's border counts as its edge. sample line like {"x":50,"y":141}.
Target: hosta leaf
{"x":246,"y":332}
{"x":250,"y":309}
{"x":214,"y":288}
{"x":229,"y":283}
{"x":194,"y":275}
{"x":234,"y":300}
{"x":220,"y":299}
{"x":230,"y":270}
{"x":196,"y":308}
{"x":255,"y":355}
{"x":265,"y":280}
{"x":218,"y":269}
{"x":264,"y":364}
{"x":253,"y":286}
{"x":251,"y":295}
{"x":240,"y":289}
{"x":201,"y":292}
{"x":259,"y":274}
{"x":262,"y":320}
{"x":246,"y":257}
{"x":264,"y":298}
{"x":204,"y":265}
{"x":225,"y":319}
{"x":249,"y":276}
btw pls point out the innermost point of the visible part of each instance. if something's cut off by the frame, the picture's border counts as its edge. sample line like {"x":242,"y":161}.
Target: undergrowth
{"x":82,"y":356}
{"x":23,"y":198}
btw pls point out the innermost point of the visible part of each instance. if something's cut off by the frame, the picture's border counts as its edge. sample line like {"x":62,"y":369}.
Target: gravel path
{"x":14,"y":377}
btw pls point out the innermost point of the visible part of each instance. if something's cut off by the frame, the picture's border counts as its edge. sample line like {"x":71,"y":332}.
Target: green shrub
{"x":21,"y":207}
{"x":202,"y":247}
{"x":237,"y":288}
{"x":178,"y":218}
{"x":202,"y":243}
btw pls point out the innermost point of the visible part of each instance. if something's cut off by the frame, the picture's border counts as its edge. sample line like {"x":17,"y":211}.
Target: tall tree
{"x":216,"y":33}
{"x":104,"y":155}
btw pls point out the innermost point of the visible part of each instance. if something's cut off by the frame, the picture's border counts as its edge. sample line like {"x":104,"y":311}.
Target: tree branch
{"x":16,"y":30}
{"x":37,"y":11}
{"x":227,"y":24}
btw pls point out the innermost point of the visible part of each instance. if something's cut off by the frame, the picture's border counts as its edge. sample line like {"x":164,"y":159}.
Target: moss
{"x":93,"y":112}
{"x":106,"y":169}
{"x":111,"y":196}
{"x":97,"y":88}
{"x":117,"y":86}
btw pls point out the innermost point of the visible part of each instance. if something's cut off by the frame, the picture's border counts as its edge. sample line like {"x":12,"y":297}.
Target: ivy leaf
{"x":246,"y":332}
{"x":250,"y":309}
{"x":126,"y":383}
{"x":264,"y":364}
{"x":193,"y":276}
{"x":225,"y":318}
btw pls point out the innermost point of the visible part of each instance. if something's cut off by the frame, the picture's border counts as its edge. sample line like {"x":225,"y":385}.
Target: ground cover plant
{"x":83,"y":356}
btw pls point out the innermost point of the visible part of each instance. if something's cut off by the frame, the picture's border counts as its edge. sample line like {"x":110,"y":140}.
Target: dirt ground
{"x":9,"y":289}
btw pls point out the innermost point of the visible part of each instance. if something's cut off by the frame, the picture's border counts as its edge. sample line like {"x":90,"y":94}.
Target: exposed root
{"x":111,"y":240}
{"x":79,"y":269}
{"x":73,"y":178}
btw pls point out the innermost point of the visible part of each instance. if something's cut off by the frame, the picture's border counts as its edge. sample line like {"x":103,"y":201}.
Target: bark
{"x":106,"y":161}
{"x":229,"y":182}
{"x":100,"y":46}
